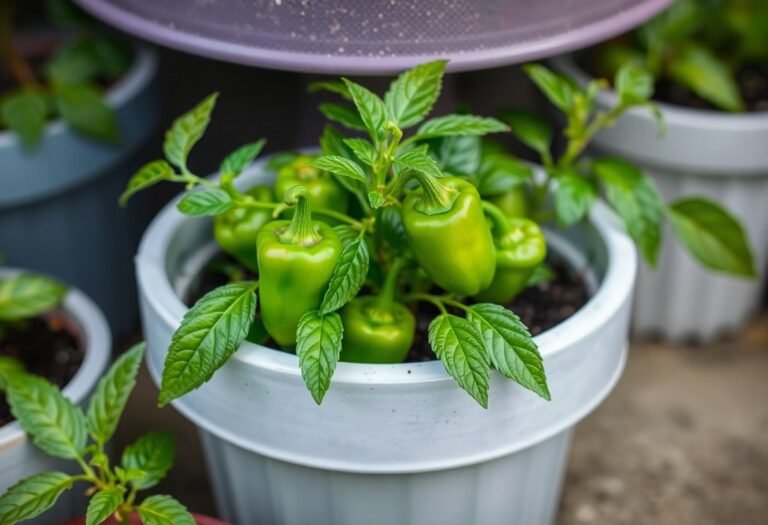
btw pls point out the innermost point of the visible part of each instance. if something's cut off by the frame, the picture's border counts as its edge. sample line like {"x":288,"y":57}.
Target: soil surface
{"x":540,"y":307}
{"x":46,"y":346}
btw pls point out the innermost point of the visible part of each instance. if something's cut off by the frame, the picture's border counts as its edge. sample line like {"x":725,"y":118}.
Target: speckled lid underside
{"x":374,"y":36}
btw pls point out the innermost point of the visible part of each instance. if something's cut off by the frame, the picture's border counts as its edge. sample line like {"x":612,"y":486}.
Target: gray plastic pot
{"x":714,"y":154}
{"x":58,"y":202}
{"x":390,"y":443}
{"x":19,"y":458}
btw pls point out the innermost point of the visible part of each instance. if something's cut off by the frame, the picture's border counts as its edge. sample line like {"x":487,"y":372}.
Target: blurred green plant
{"x":68,"y":84}
{"x":698,"y":44}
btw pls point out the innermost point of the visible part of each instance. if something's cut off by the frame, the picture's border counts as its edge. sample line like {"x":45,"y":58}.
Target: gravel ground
{"x":682,"y":441}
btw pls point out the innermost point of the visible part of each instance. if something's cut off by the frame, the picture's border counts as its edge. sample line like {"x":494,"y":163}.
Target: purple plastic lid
{"x":374,"y":36}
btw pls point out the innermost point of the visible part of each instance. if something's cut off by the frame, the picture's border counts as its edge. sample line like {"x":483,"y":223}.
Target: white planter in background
{"x":723,"y":156}
{"x":391,"y":444}
{"x":19,"y":457}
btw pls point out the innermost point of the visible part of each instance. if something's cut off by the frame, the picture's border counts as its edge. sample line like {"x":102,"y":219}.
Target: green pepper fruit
{"x":513,"y":202}
{"x":376,"y":328}
{"x":323,"y":189}
{"x":296,"y":259}
{"x":236,"y":230}
{"x":520,"y":248}
{"x":447,"y":231}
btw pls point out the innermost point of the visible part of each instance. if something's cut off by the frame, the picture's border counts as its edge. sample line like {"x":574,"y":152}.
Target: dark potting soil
{"x":47,"y":346}
{"x":540,"y":307}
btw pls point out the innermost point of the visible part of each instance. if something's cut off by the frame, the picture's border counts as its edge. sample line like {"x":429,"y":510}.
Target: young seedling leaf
{"x":153,"y":455}
{"x":363,"y":150}
{"x":574,"y":196}
{"x":56,"y":425}
{"x":542,"y":274}
{"x":32,"y":496}
{"x":102,"y":505}
{"x":27,"y":295}
{"x":241,"y":158}
{"x":210,"y":201}
{"x":558,"y":90}
{"x":164,"y":510}
{"x":634,"y":84}
{"x":108,"y":402}
{"x":532,"y":130}
{"x":411,"y":96}
{"x":463,"y":125}
{"x":341,"y":166}
{"x":210,"y":333}
{"x":318,"y":346}
{"x":697,"y":68}
{"x":510,"y":346}
{"x":343,"y":115}
{"x":418,"y":160}
{"x":370,"y":107}
{"x":24,"y":113}
{"x":636,"y":199}
{"x":376,"y":199}
{"x":460,"y":346}
{"x":348,"y":276}
{"x":712,"y":235}
{"x":148,"y":175}
{"x":186,"y":131}
{"x":83,"y":107}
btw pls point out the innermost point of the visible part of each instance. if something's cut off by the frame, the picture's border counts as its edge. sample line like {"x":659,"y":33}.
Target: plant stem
{"x":17,"y":64}
{"x":428,"y":298}
{"x":500,"y":222}
{"x":386,"y":296}
{"x":300,"y":231}
{"x":437,"y":197}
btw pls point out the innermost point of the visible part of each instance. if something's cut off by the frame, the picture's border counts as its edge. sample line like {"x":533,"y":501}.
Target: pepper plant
{"x":26,"y":295}
{"x":68,"y":84}
{"x":701,"y":45}
{"x":62,"y":429}
{"x":710,"y":233}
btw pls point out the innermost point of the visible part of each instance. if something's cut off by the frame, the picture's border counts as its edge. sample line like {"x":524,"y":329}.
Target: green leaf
{"x":83,"y":107}
{"x":148,"y":175}
{"x":458,"y":154}
{"x":712,"y":235}
{"x":500,"y":173}
{"x":702,"y":72}
{"x":32,"y":496}
{"x":574,"y":196}
{"x":210,"y":201}
{"x":24,"y":113}
{"x":73,"y":63}
{"x":465,"y":125}
{"x":56,"y":425}
{"x":558,"y":90}
{"x":376,"y":199}
{"x":348,"y":276}
{"x":510,"y":346}
{"x":460,"y":346}
{"x":103,"y":504}
{"x":334,"y":86}
{"x":542,"y":274}
{"x":279,"y":160}
{"x":108,"y":401}
{"x":389,"y":224}
{"x":634,"y":84}
{"x":187,"y":130}
{"x":411,"y":96}
{"x":210,"y":333}
{"x":363,"y":150}
{"x":332,"y":143}
{"x":27,"y":295}
{"x":344,"y":115}
{"x":318,"y":345}
{"x":532,"y":130}
{"x":164,"y":510}
{"x":341,"y":166}
{"x":153,"y":455}
{"x":371,"y":108}
{"x":241,"y":158}
{"x":418,"y":160}
{"x":636,"y":200}
{"x":10,"y":369}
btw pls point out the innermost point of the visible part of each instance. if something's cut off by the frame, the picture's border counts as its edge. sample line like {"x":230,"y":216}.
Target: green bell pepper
{"x":296,"y":259}
{"x":376,"y":328}
{"x":513,"y":202}
{"x":447,"y":231}
{"x":520,"y":248}
{"x":236,"y":230}
{"x":324,"y":190}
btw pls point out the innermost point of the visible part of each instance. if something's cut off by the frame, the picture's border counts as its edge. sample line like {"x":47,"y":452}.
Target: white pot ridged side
{"x":703,"y":153}
{"x":391,"y":443}
{"x":19,"y":457}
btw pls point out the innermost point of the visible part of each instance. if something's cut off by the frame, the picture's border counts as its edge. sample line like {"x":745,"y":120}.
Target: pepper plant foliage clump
{"x":61,"y":429}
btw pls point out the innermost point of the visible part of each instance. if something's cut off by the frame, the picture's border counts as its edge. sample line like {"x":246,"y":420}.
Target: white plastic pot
{"x":391,"y":443}
{"x":719,"y":155}
{"x":19,"y":457}
{"x":58,"y":202}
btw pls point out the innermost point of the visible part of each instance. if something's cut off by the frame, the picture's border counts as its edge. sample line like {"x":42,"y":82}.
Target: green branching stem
{"x":578,"y":142}
{"x":385,"y":158}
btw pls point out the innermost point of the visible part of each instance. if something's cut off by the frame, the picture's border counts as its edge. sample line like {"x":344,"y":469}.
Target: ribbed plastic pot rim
{"x":710,"y":119}
{"x":96,"y":338}
{"x":138,"y":75}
